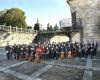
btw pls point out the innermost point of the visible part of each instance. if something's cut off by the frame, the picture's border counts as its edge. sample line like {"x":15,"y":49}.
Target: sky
{"x":47,"y":11}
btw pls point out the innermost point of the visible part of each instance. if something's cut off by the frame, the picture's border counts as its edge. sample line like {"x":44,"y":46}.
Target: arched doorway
{"x":59,"y":38}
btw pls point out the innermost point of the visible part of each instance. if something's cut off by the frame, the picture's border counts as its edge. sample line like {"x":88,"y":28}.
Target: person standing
{"x":14,"y":51}
{"x":7,"y":48}
{"x":62,"y":54}
{"x":39,"y":50}
{"x":18,"y":51}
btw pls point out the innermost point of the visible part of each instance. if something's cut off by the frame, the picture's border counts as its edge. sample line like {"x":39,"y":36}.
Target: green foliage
{"x":49,"y":27}
{"x":37,"y":27}
{"x":1,"y":20}
{"x":14,"y":17}
{"x":56,"y":27}
{"x":29,"y":27}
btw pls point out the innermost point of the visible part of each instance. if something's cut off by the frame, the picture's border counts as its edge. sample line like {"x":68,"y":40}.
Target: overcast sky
{"x":46,"y":10}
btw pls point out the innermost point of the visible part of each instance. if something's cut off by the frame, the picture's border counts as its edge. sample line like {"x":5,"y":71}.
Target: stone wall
{"x":75,"y":37}
{"x":89,"y":12}
{"x":17,"y":38}
{"x":59,"y":38}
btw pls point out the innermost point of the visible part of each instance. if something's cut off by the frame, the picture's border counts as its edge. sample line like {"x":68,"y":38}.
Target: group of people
{"x":48,"y":51}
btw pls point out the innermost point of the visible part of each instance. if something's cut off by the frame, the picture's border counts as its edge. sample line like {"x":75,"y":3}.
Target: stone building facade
{"x":89,"y":13}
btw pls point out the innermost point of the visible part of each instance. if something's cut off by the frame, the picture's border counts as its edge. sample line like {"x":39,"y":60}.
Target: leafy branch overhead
{"x":14,"y":17}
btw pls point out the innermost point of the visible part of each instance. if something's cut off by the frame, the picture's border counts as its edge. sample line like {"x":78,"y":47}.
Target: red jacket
{"x":39,"y":50}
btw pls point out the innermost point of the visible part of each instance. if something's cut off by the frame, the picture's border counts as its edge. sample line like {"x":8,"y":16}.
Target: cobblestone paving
{"x":96,"y":75}
{"x":96,"y":63}
{"x":62,"y":73}
{"x":59,"y":70}
{"x":74,"y":61}
{"x":28,"y":68}
{"x":5,"y":76}
{"x":6,"y":62}
{"x":97,"y":55}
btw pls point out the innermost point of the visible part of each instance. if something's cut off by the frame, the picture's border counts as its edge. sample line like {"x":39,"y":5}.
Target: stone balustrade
{"x":65,"y":22}
{"x":16,"y":29}
{"x":70,"y":22}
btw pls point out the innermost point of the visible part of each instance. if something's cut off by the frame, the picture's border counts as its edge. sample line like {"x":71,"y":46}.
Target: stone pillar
{"x":10,"y":28}
{"x":16,"y":28}
{"x":21,"y":29}
{"x":89,"y":12}
{"x":2,"y":27}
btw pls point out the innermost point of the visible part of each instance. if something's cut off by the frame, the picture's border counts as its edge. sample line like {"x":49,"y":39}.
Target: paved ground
{"x":5,"y":76}
{"x":75,"y":69}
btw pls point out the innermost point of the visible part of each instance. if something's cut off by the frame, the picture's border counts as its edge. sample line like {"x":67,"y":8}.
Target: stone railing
{"x":75,"y":24}
{"x":70,"y":22}
{"x":53,"y":31}
{"x":65,"y":23}
{"x":16,"y":29}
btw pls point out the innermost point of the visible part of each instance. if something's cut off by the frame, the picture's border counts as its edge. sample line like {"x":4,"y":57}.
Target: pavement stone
{"x":50,"y":70}
{"x":16,"y":74}
{"x":62,"y":73}
{"x":96,"y":63}
{"x":5,"y":62}
{"x":74,"y":61}
{"x":88,"y":69}
{"x":6,"y":76}
{"x":96,"y":75}
{"x":28,"y":68}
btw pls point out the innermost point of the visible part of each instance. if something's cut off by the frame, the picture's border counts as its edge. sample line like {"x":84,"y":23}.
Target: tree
{"x":51,"y":28}
{"x":48,"y":26}
{"x":29,"y":27}
{"x":2,"y":20}
{"x":36,"y":27}
{"x":56,"y":27}
{"x":14,"y":17}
